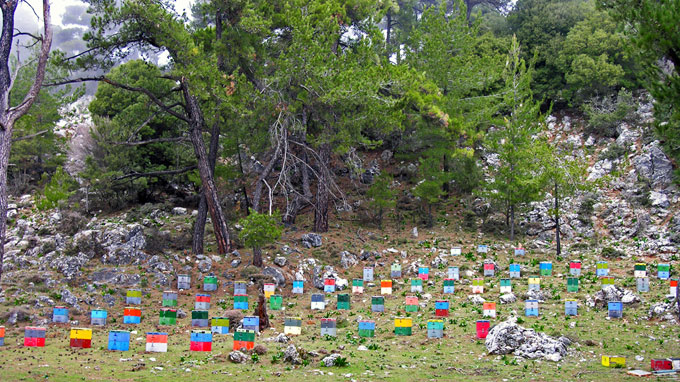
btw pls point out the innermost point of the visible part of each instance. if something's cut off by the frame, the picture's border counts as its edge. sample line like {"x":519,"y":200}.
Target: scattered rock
{"x":330,"y":360}
{"x":237,"y":357}
{"x":508,"y":298}
{"x":310,"y":240}
{"x":510,"y":338}
{"x":654,"y":165}
{"x":348,"y":260}
{"x":280,"y":261}
{"x":205,"y":265}
{"x":260,"y":349}
{"x":179,"y":211}
{"x":476,"y":299}
{"x":414,"y":232}
{"x":235,"y":263}
{"x":276,"y":275}
{"x":16,"y":315}
{"x":612,"y":293}
{"x":658,"y":199}
{"x":291,"y":355}
{"x":181,"y":313}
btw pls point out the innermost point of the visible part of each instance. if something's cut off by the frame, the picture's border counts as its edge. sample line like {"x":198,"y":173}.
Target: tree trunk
{"x":557,"y":222}
{"x":262,"y":311}
{"x":8,"y":115}
{"x":388,"y":39}
{"x":204,"y":170}
{"x":321,"y":211}
{"x":512,"y":222}
{"x":257,"y":257}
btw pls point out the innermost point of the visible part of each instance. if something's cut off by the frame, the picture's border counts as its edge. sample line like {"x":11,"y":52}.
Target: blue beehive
{"x":453,"y":273}
{"x":531,"y":308}
{"x":642,"y":284}
{"x":251,"y":323}
{"x":201,"y":336}
{"x":546,"y":268}
{"x":98,"y":317}
{"x":615,"y":309}
{"x":515,"y":271}
{"x":601,"y":269}
{"x":520,"y":252}
{"x":60,"y":314}
{"x":119,"y":340}
{"x":571,"y":307}
{"x":664,"y":271}
{"x":449,"y":286}
{"x":298,"y":287}
{"x":318,"y":302}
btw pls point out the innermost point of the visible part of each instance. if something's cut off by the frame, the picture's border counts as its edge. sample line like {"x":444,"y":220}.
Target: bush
{"x":72,"y":222}
{"x":606,"y":113}
{"x":613,"y":152}
{"x":611,"y":253}
{"x":586,"y":209}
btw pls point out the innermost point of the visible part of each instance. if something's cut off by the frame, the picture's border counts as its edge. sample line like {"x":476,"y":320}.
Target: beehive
{"x":343,"y":302}
{"x":169,"y":298}
{"x":483,"y":328}
{"x":2,"y":336}
{"x":515,"y":271}
{"x":251,"y":323}
{"x":358,"y":286}
{"x":366,"y":328}
{"x":506,"y":286}
{"x":210,"y":283}
{"x":395,"y":271}
{"x":167,"y":316}
{"x":489,"y":309}
{"x":157,"y":342}
{"x":453,"y":273}
{"x":403,"y":326}
{"x":81,"y":338}
{"x":378,"y":304}
{"x":386,"y":287}
{"x":329,"y":327}
{"x":613,"y":361}
{"x":240,"y":288}
{"x":219,"y":325}
{"x":423,"y":273}
{"x":269,"y":289}
{"x":416,"y":286}
{"x":615,"y":309}
{"x":575,"y":268}
{"x":298,"y":287}
{"x":412,"y":304}
{"x":201,"y":340}
{"x":98,"y":317}
{"x":133,"y":297}
{"x":535,"y":283}
{"x":292,"y":326}
{"x":199,"y":319}
{"x":477,"y":286}
{"x":489,"y":269}
{"x":661,"y":364}
{"x":244,"y":339}
{"x":482,"y":248}
{"x":275,"y":302}
{"x":241,"y":302}
{"x":449,"y":286}
{"x":441,"y":308}
{"x":329,"y":285}
{"x":183,"y":282}
{"x":606,"y":281}
{"x":368,"y":274}
{"x":318,"y":302}
{"x":571,"y":307}
{"x":601,"y":269}
{"x":60,"y":314}
{"x":456,"y":251}
{"x":531,"y":308}
{"x":202,"y":302}
{"x":520,"y":251}
{"x":640,"y":270}
{"x":642,"y":284}
{"x":546,"y":268}
{"x":572,"y":284}
{"x":664,"y":271}
{"x":132,"y":315}
{"x":435,"y":328}
{"x":119,"y":340}
{"x":34,"y":336}
{"x":673,"y":287}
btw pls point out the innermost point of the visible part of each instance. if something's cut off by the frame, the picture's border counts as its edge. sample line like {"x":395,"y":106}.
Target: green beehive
{"x":275,"y":302}
{"x":167,"y":317}
{"x":343,"y":301}
{"x":572,"y":284}
{"x":244,"y":335}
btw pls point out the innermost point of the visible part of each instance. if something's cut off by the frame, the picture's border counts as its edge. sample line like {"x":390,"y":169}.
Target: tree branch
{"x":29,"y":136}
{"x":136,"y":175}
{"x":145,"y":142}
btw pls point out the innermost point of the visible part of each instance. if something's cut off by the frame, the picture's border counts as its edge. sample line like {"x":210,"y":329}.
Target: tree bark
{"x":512,"y":222}
{"x":8,"y":114}
{"x":557,"y":222}
{"x":321,"y":211}
{"x":262,"y":311}
{"x":196,"y":122}
{"x":257,"y":257}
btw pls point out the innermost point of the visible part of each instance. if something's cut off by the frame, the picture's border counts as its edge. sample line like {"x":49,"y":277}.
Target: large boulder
{"x":510,"y":338}
{"x":348,"y":259}
{"x":654,"y":165}
{"x":291,"y":355}
{"x":310,"y":240}
{"x":237,"y":357}
{"x":275,"y":274}
{"x":612,"y":293}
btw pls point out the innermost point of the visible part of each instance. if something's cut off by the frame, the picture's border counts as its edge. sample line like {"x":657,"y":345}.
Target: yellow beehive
{"x":81,"y":334}
{"x":403,"y":322}
{"x":613,"y":361}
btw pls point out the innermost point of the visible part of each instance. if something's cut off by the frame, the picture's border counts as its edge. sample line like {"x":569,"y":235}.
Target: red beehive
{"x":329,"y":282}
{"x":661,"y":364}
{"x":203,"y":298}
{"x":483,"y":328}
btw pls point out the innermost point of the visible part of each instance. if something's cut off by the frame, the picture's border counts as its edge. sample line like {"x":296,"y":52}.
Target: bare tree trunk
{"x":557,"y":222}
{"x":8,"y":114}
{"x":321,"y":211}
{"x":262,"y":311}
{"x":512,"y":222}
{"x":201,"y":217}
{"x":257,"y":194}
{"x":204,"y":170}
{"x":257,"y":257}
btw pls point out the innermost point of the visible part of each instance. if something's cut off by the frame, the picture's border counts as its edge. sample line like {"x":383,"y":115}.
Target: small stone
{"x":280,"y":261}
